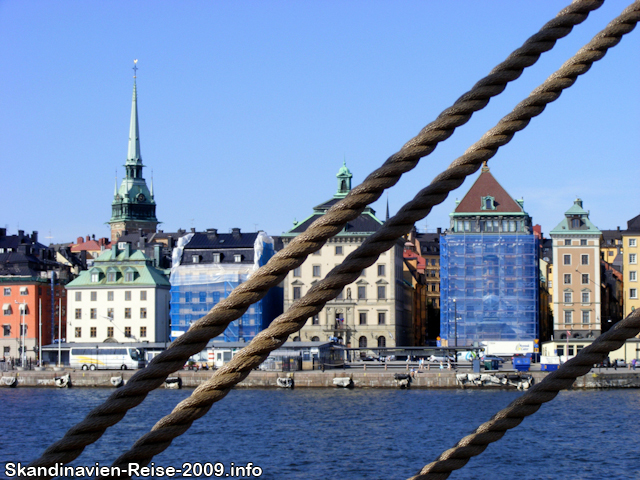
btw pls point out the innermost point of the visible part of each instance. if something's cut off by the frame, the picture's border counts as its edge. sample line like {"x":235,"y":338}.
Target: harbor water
{"x":348,"y":434}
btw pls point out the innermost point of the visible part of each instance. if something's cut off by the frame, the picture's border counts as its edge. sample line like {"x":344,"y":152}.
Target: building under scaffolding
{"x":207,"y":267}
{"x":489,"y":269}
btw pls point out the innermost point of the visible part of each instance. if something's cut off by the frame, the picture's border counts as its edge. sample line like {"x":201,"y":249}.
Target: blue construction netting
{"x":196,"y":289}
{"x":494,"y":280}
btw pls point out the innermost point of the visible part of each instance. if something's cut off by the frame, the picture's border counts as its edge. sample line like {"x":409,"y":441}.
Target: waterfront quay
{"x":360,"y":378}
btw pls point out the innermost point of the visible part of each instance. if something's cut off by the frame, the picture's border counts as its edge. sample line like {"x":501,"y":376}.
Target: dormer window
{"x":575,"y":223}
{"x":129,"y":274}
{"x":216,"y":258}
{"x":95,"y":275}
{"x":237,"y":258}
{"x":112,"y":274}
{"x":488,"y":203}
{"x":195,"y":258}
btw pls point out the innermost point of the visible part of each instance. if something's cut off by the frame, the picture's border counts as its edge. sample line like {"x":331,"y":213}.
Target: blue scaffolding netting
{"x":489,"y":288}
{"x":196,"y":289}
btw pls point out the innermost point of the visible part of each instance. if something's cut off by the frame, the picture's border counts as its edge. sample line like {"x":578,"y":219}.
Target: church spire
{"x":133,"y":154}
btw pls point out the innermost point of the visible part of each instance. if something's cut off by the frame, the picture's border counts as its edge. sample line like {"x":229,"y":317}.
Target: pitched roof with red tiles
{"x":486,"y":185}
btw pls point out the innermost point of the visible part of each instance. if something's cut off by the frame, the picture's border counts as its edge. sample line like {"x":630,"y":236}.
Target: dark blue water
{"x":349,"y":434}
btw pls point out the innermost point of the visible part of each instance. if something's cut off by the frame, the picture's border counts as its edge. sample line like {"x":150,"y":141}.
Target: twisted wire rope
{"x":221,"y":382}
{"x":529,"y":403}
{"x":214,"y":323}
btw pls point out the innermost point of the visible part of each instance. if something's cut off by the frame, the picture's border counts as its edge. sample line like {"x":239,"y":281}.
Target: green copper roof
{"x":576,"y":221}
{"x":344,"y":181}
{"x":133,"y":154}
{"x":344,"y":171}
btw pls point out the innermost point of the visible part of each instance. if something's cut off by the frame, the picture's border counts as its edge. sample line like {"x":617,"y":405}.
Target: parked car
{"x":620,"y":362}
{"x":493,"y":357}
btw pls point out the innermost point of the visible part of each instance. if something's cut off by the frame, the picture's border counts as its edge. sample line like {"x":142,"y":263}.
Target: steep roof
{"x":576,"y":211}
{"x":487,"y":186}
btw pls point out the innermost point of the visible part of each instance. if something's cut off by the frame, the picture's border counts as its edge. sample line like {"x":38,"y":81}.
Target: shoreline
{"x":433,"y":379}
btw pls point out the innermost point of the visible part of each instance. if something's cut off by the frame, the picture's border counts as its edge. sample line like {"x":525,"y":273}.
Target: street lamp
{"x":23,"y":353}
{"x":455,"y":323}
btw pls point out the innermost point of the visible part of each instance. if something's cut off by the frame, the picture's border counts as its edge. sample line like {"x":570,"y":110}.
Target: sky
{"x":247,"y":109}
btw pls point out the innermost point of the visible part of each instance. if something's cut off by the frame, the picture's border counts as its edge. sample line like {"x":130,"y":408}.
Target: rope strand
{"x":219,"y":385}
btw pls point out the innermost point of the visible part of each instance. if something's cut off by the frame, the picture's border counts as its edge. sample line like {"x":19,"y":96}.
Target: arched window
{"x":382,"y":341}
{"x":315,"y":339}
{"x":362,"y":342}
{"x":296,"y":339}
{"x":487,"y":203}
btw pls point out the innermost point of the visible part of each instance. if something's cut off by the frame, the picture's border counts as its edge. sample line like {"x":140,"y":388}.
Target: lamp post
{"x":23,"y":353}
{"x":455,"y":323}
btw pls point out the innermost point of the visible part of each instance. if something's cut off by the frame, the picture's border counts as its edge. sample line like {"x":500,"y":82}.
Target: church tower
{"x":133,"y":205}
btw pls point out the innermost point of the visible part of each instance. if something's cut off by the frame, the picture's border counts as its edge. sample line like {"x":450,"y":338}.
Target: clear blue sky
{"x":248,"y":108}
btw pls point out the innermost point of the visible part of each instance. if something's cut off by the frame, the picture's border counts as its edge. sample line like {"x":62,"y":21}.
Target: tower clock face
{"x":141,"y":197}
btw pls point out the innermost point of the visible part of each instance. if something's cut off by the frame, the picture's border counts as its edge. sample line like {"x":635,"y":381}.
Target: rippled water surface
{"x":349,"y":434}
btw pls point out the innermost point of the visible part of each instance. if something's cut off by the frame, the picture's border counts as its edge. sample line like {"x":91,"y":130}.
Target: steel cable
{"x":213,"y":324}
{"x":219,"y":385}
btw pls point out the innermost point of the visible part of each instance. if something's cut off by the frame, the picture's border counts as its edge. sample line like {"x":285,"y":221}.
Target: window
{"x":633,"y":293}
{"x":187,"y":297}
{"x":143,"y":312}
{"x":216,"y":258}
{"x":633,"y":258}
{"x":316,"y":270}
{"x":6,"y":330}
{"x":560,"y":350}
{"x":362,"y":342}
{"x":585,"y":278}
{"x":339,"y":250}
{"x":94,"y":296}
{"x":567,"y":259}
{"x":297,"y":293}
{"x":567,"y":297}
{"x":583,"y":241}
{"x":632,"y":242}
{"x":315,"y":320}
{"x":143,"y":295}
{"x":237,"y":258}
{"x":109,"y":331}
{"x":127,"y":312}
{"x":143,"y":332}
{"x":584,"y":259}
{"x":568,"y":316}
{"x":382,"y":318}
{"x":7,"y":291}
{"x":202,"y":297}
{"x":633,"y":276}
{"x":110,"y":296}
{"x":382,"y":342}
{"x":110,"y":313}
{"x":78,"y":332}
{"x":127,"y":332}
{"x":362,"y":318}
{"x":78,"y":313}
{"x":567,"y":241}
{"x":296,"y":272}
{"x":24,"y":291}
{"x":195,"y":258}
{"x":382,"y":292}
{"x":93,"y":332}
{"x":567,"y":278}
{"x":433,"y":262}
{"x":381,"y":270}
{"x":111,"y":276}
{"x":585,"y":316}
{"x":127,"y":295}
{"x":585,"y":297}
{"x":575,"y":223}
{"x":23,"y":329}
{"x":6,"y":309}
{"x":95,"y":277}
{"x":93,"y":313}
{"x":78,"y":296}
{"x":129,"y":276}
{"x":362,"y":292}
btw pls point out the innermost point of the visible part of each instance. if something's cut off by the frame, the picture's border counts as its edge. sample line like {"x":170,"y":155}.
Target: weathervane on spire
{"x":135,"y":68}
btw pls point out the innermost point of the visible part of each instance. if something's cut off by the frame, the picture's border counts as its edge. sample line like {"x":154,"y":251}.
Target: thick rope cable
{"x":529,"y":403}
{"x":219,"y":385}
{"x":213,"y":324}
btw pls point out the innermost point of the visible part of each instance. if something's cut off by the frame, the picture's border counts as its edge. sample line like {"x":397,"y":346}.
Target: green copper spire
{"x":344,"y":181}
{"x":134,"y":135}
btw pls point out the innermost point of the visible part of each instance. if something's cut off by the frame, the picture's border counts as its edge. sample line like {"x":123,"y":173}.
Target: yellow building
{"x":630,"y":241}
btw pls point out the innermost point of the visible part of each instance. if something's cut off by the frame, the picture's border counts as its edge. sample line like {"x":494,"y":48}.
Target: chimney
{"x":20,"y":235}
{"x":212,"y":233}
{"x":79,"y":240}
{"x":83,"y":259}
{"x":34,"y":237}
{"x":236,"y":233}
{"x":439,"y":230}
{"x":127,"y":250}
{"x":88,"y":238}
{"x":193,"y":230}
{"x":170,"y":241}
{"x":618,"y":228}
{"x":3,"y":232}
